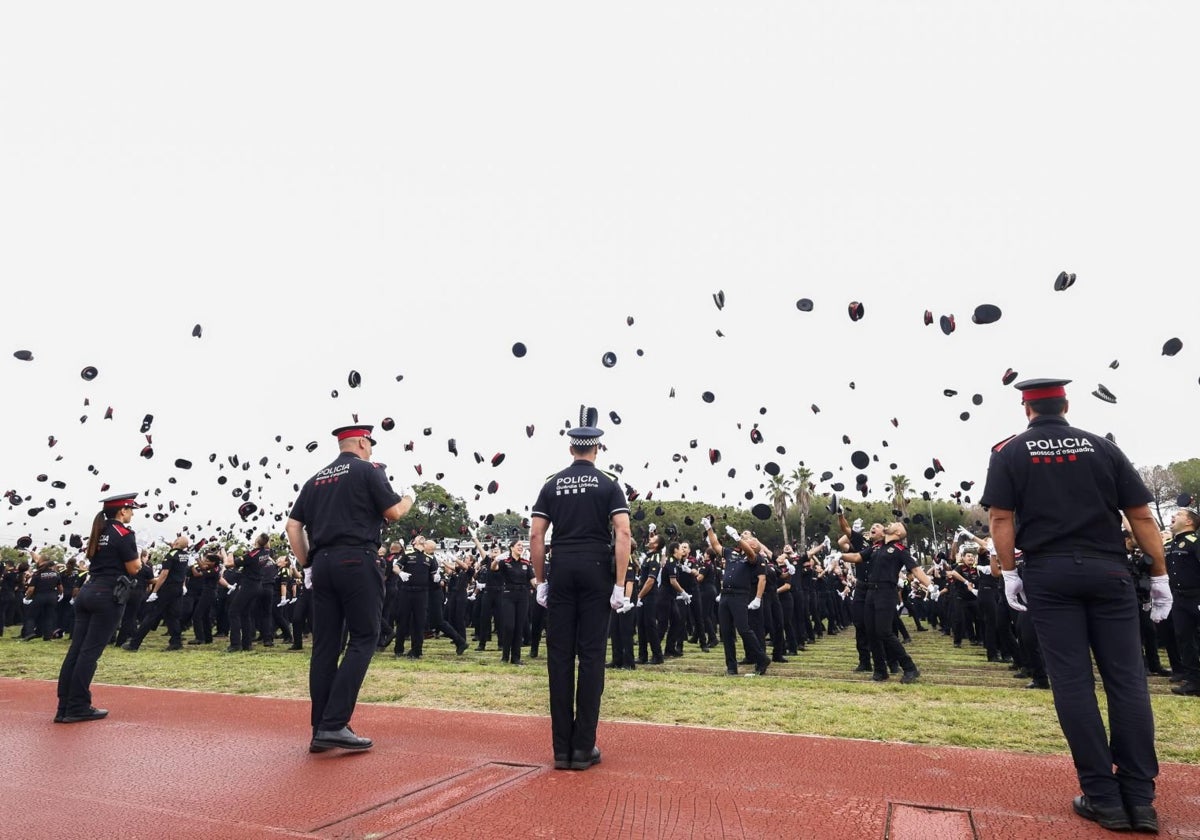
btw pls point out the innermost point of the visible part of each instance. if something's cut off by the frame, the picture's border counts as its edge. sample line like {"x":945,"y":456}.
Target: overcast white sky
{"x":409,"y":189}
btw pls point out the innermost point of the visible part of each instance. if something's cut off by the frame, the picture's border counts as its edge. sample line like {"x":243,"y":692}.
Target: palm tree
{"x":781,"y":496}
{"x":900,"y":486}
{"x":801,"y":476}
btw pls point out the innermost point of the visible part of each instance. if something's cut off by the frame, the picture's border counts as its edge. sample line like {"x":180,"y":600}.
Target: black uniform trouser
{"x":8,"y":607}
{"x":772,"y":612}
{"x":302,"y":616}
{"x":347,"y":590}
{"x":788,"y":618}
{"x":537,"y":624}
{"x":412,"y":613}
{"x":1031,"y":651}
{"x":41,"y":616}
{"x":1083,"y":605}
{"x":647,"y":626}
{"x":456,"y":611}
{"x":733,"y":615}
{"x":1185,"y":619}
{"x":96,"y":619}
{"x":576,"y":625}
{"x":165,"y":608}
{"x":514,"y":614}
{"x":676,"y":621}
{"x":878,"y":614}
{"x":391,"y":600}
{"x":436,"y":618}
{"x":695,"y":616}
{"x":621,"y":632}
{"x":1149,"y":635}
{"x":804,"y":625}
{"x":987,"y":620}
{"x":709,"y":615}
{"x":128,"y":619}
{"x":264,"y":612}
{"x":862,"y":642}
{"x":241,"y":614}
{"x":202,"y":615}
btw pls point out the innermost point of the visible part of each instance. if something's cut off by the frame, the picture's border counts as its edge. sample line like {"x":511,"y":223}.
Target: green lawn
{"x":960,"y":700}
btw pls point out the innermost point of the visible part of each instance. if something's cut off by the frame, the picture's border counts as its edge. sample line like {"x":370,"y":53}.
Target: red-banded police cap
{"x":1042,"y":389}
{"x":359,"y":430}
{"x":121,"y":500}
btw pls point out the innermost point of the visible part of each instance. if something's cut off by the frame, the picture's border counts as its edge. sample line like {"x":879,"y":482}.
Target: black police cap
{"x":356,"y":430}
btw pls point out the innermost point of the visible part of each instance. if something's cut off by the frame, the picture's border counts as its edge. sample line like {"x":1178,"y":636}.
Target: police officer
{"x":42,"y":594}
{"x":590,"y":517}
{"x":334,"y":527}
{"x":203,"y":584}
{"x":513,"y":615}
{"x":244,"y":600}
{"x":743,"y":575}
{"x":412,"y":610}
{"x":1183,"y":567}
{"x":167,"y":589}
{"x":1057,"y":492}
{"x":112,"y":552}
{"x":649,"y":644}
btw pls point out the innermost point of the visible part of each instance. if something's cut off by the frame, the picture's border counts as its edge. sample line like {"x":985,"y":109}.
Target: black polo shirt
{"x":251,"y":564}
{"x":741,"y":573}
{"x":176,"y":566}
{"x":651,"y":566}
{"x":1183,"y":561}
{"x":1067,"y":488}
{"x":46,"y":580}
{"x":116,"y":547}
{"x":421,"y":568}
{"x":580,"y":502}
{"x":887,"y":560}
{"x":343,"y":504}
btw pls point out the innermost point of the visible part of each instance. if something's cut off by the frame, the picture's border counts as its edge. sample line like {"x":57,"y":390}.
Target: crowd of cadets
{"x":485,"y":595}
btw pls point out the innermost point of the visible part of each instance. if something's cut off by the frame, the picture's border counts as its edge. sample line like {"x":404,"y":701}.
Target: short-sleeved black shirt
{"x":116,"y":547}
{"x":46,"y":580}
{"x":741,"y":575}
{"x":343,"y":504}
{"x":1066,"y":487}
{"x":176,"y":566}
{"x":887,"y":560}
{"x":516,"y":573}
{"x":580,"y":501}
{"x":651,"y":566}
{"x":1183,"y":561}
{"x":251,"y":563}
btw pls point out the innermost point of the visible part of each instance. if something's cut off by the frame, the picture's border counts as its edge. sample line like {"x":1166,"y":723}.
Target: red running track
{"x":177,"y":764}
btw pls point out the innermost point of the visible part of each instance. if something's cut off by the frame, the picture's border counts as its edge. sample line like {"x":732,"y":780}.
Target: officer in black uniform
{"x":334,"y":527}
{"x":42,"y":595}
{"x":112,"y":553}
{"x":412,"y":610}
{"x":743,"y":575}
{"x":1183,"y":567}
{"x":622,"y":624}
{"x":887,"y":560}
{"x":244,"y":601}
{"x":1057,"y":492}
{"x":203,"y":585}
{"x":590,"y":517}
{"x":167,"y":589}
{"x":515,"y":574}
{"x":649,"y":639}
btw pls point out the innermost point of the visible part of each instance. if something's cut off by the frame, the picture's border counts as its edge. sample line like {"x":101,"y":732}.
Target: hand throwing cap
{"x":346,"y":432}
{"x":1041,"y":389}
{"x":121,"y":500}
{"x":586,"y":434}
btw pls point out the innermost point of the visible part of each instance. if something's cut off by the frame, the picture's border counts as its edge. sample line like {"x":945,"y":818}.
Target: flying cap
{"x":804,"y":305}
{"x":1041,"y":389}
{"x":347,"y":432}
{"x":1063,"y":281}
{"x":986,"y":313}
{"x":586,"y":433}
{"x":121,"y":500}
{"x":1172,"y":346}
{"x":856,"y":310}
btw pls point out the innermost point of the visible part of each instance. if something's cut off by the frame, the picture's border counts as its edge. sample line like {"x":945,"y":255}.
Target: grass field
{"x":961,"y":699}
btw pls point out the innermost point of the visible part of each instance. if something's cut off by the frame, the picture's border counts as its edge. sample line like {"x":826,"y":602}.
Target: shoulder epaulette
{"x":1002,"y":443}
{"x":1190,"y":537}
{"x":378,"y":465}
{"x":122,"y":530}
{"x":613,"y":476}
{"x":547,"y":481}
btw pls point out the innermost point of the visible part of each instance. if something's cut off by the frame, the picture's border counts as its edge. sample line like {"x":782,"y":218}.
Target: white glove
{"x":152,"y":598}
{"x":791,"y":570}
{"x":733,"y":533}
{"x":626,"y":607}
{"x":60,"y":597}
{"x":471,"y":597}
{"x":481,"y":586}
{"x":233,"y":589}
{"x":404,"y":576}
{"x":617,"y":599}
{"x":717,"y":600}
{"x":706,"y":524}
{"x":72,"y":602}
{"x":308,"y":578}
{"x":292,"y":600}
{"x":282,"y":602}
{"x":683,"y":596}
{"x":755,"y":604}
{"x":1014,"y":588}
{"x":1146,"y":606}
{"x":652,"y":528}
{"x":437,"y":577}
{"x":856,"y":527}
{"x":543,"y":592}
{"x":1161,"y":598}
{"x":638,"y":604}
{"x":27,"y":601}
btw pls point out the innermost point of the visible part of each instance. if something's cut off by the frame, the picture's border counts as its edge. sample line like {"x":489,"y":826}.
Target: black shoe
{"x":1177,"y":677}
{"x":296,"y":646}
{"x":731,"y":672}
{"x":196,"y":642}
{"x":628,"y":668}
{"x":922,"y":629}
{"x":1143,"y":818}
{"x":746,"y":661}
{"x":562,"y":761}
{"x":894,"y":667}
{"x":232,"y":649}
{"x":462,"y":648}
{"x":1020,"y":674}
{"x":910,"y":676}
{"x":344,"y":738}
{"x":611,"y":665}
{"x":583,"y":759}
{"x":1161,"y":672}
{"x":1187,"y":688}
{"x":958,"y":644}
{"x":704,"y":648}
{"x":779,"y":659}
{"x":130,"y":646}
{"x":761,"y":668}
{"x":268,"y":644}
{"x":1113,"y":818}
{"x":175,"y":647}
{"x":657,"y":661}
{"x":482,"y":646}
{"x":878,"y":677}
{"x":81,"y":717}
{"x":1036,"y":683}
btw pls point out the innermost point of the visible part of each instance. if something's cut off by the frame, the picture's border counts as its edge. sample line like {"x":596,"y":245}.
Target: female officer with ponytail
{"x":112,"y":553}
